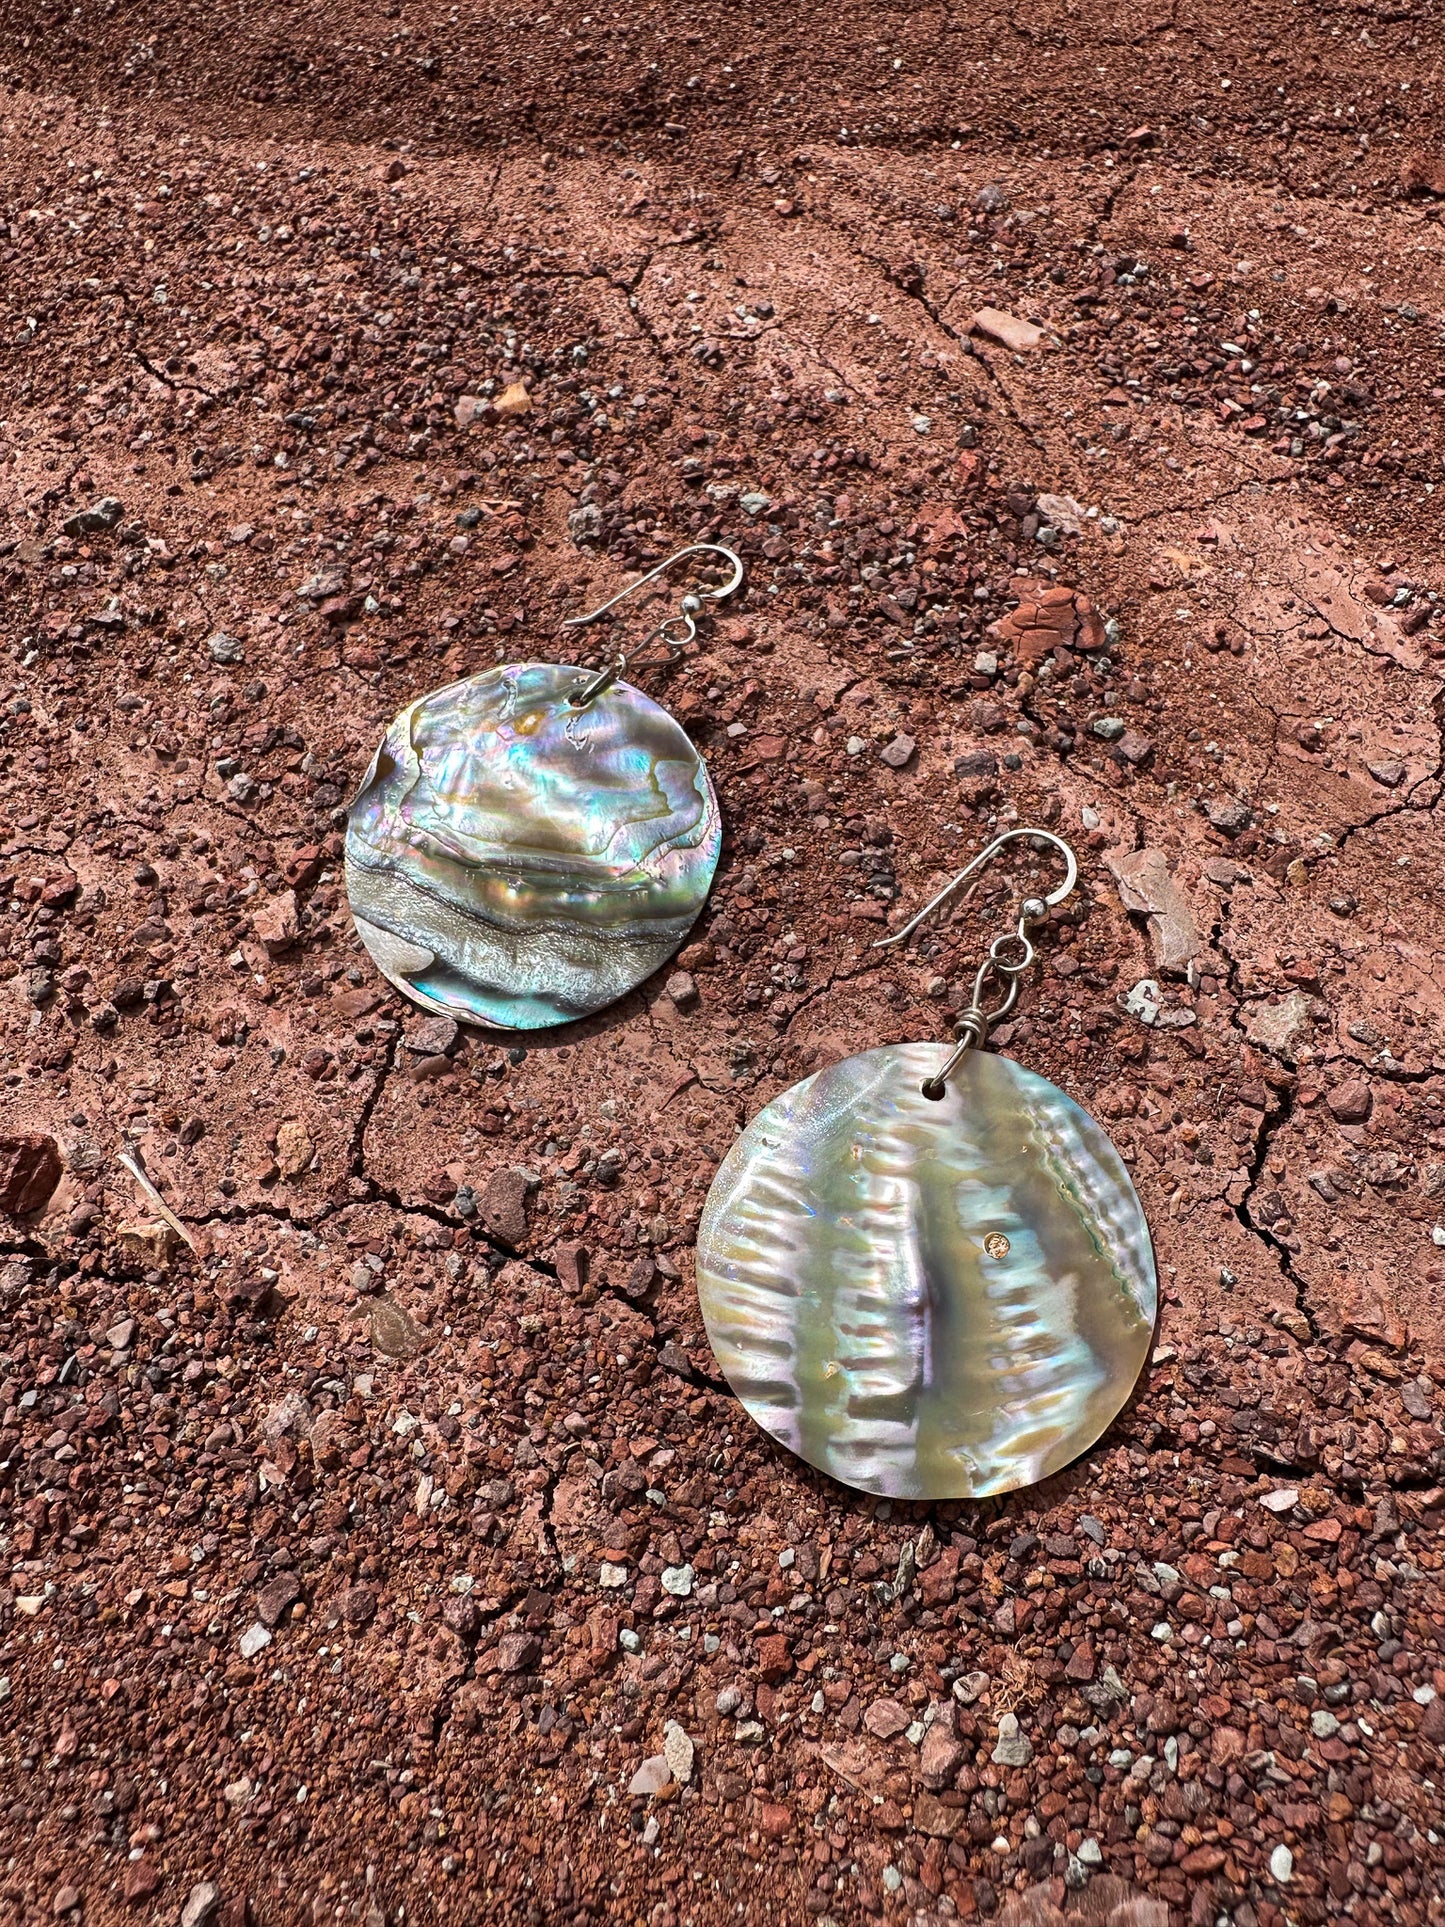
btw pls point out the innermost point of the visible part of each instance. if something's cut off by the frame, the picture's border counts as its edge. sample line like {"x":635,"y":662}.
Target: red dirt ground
{"x":359,"y":1557}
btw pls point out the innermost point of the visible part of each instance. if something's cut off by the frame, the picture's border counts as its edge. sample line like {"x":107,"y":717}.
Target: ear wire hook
{"x":975,"y":1023}
{"x":675,"y":630}
{"x":984,"y":857}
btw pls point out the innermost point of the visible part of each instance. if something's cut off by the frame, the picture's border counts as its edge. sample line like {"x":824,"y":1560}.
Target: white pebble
{"x":677,"y":1750}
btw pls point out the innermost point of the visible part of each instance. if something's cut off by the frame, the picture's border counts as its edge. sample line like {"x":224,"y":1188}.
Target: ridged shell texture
{"x":927,"y":1299}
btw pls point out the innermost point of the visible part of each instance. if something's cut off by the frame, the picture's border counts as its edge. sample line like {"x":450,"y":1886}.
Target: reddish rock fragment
{"x":1351,"y":1102}
{"x":303,"y":866}
{"x":1202,"y":1860}
{"x":938,"y":1582}
{"x":30,"y":1169}
{"x":1048,"y":616}
{"x":775,"y":1661}
{"x":1007,"y":329}
{"x":142,"y":1877}
{"x":1134,"y":748}
{"x":503,"y":1205}
{"x":602,"y":1631}
{"x":276,"y":1598}
{"x":932,"y":1817}
{"x":885,"y":1719}
{"x":571,"y":1262}
{"x":682,"y":989}
{"x":431,"y":1035}
{"x":939,"y":1757}
{"x":1081,"y":1665}
{"x":515,"y":1652}
{"x":651,"y":1777}
{"x":1371,"y":1314}
{"x":357,"y":1606}
{"x":276,"y":923}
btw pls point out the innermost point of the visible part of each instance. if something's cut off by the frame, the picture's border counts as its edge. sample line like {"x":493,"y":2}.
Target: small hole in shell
{"x":996,"y":1245}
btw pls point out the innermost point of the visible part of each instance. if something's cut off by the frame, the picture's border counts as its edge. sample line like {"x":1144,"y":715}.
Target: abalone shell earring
{"x":924,"y":1270}
{"x":528,"y":845}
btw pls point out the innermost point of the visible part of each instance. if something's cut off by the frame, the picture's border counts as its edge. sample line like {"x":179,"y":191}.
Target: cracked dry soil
{"x":360,"y":1549}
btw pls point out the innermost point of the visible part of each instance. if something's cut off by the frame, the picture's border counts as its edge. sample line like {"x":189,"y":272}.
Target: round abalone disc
{"x":511,"y":860}
{"x":927,"y":1300}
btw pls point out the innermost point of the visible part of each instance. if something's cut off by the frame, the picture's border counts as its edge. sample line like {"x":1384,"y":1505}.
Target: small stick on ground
{"x":156,"y":1200}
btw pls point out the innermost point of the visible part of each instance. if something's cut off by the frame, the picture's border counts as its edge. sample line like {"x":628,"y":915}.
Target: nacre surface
{"x":927,"y":1300}
{"x":511,"y":860}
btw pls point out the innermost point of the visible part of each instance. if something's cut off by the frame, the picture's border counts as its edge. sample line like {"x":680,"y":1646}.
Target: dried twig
{"x":157,"y":1201}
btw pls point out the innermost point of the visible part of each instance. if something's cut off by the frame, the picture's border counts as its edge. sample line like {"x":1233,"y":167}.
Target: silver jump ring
{"x":999,"y":944}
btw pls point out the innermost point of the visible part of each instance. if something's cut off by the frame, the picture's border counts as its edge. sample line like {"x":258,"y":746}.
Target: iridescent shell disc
{"x":511,"y":860}
{"x":927,"y":1299}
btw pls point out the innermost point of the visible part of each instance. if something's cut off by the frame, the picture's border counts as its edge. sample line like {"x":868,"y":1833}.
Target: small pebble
{"x":201,"y":1904}
{"x":678,"y":1751}
{"x":652,"y":1776}
{"x":1012,"y":1747}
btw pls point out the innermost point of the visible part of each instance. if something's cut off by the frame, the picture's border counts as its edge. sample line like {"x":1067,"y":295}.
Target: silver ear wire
{"x":975,"y":1023}
{"x":676,"y":630}
{"x":985,"y":857}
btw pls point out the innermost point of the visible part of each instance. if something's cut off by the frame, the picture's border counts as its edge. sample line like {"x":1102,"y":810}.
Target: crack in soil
{"x":356,"y":1151}
{"x":1167,"y":511}
{"x":1269,"y":1128}
{"x":165,"y":380}
{"x":1283,"y":1256}
{"x":991,"y":374}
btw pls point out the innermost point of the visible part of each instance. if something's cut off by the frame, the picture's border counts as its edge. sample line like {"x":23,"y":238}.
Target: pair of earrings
{"x":924,"y":1270}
